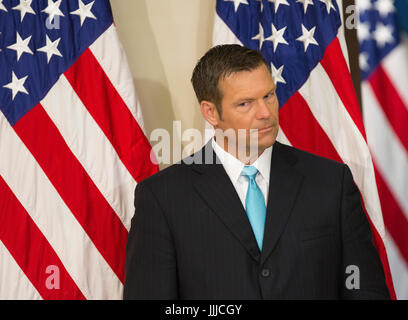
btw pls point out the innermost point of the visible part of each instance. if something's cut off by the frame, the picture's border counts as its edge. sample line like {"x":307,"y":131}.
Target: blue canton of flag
{"x":377,"y":33}
{"x":40,"y":40}
{"x":291,"y":34}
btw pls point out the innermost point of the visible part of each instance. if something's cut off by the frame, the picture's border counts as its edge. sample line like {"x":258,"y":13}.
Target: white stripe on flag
{"x":91,"y":147}
{"x":222,"y":34}
{"x":399,"y":270}
{"x":329,"y":111}
{"x":388,"y":152}
{"x":78,"y":254}
{"x":14,"y":284}
{"x":396,"y":66}
{"x":282,"y":137}
{"x":108,"y":50}
{"x":341,"y":37}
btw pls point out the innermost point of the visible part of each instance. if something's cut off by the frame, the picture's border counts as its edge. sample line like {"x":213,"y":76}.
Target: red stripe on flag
{"x":75,"y":187}
{"x":394,"y":218}
{"x":303,"y":130}
{"x":108,"y":109}
{"x":391,"y":103}
{"x":336,"y":68}
{"x":19,"y":232}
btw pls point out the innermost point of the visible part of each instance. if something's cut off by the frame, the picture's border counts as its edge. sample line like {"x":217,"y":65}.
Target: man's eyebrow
{"x":240,"y":100}
{"x":271,"y":91}
{"x":252,"y":98}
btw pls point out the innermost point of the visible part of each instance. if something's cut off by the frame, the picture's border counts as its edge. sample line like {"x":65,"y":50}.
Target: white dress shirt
{"x":234,"y":167}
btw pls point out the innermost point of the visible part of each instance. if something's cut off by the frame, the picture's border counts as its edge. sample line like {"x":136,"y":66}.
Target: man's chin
{"x":266,"y":142}
{"x":258,"y":149}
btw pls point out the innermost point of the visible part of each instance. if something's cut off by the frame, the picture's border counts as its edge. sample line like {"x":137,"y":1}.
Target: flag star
{"x":84,"y":11}
{"x":383,"y":34}
{"x":277,"y":74}
{"x":21,"y":46}
{"x":260,"y":37}
{"x":53,"y":9}
{"x":2,"y":7}
{"x":363,"y":31}
{"x":16,"y":85}
{"x":363,"y":5}
{"x":277,"y":37}
{"x":384,"y":7}
{"x":305,"y":3}
{"x":329,"y":5}
{"x":24,"y":7}
{"x":307,"y":37}
{"x":237,"y":3}
{"x":277,"y":3}
{"x":51,"y":48}
{"x":363,"y":61}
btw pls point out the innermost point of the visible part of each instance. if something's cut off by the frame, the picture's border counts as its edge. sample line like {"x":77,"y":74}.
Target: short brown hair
{"x":218,"y":63}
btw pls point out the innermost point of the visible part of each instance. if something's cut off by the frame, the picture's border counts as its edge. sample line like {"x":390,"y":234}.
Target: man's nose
{"x":263,"y":111}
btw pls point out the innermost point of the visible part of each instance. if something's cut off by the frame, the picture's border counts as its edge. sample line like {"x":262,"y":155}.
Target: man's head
{"x":236,"y":91}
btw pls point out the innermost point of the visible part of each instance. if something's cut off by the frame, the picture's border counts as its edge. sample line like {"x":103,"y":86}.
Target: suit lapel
{"x":216,"y":189}
{"x":284,"y":185}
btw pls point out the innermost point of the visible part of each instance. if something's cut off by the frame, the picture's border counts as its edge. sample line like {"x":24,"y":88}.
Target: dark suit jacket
{"x":191,"y":239}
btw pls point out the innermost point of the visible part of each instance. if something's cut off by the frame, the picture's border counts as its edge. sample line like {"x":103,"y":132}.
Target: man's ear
{"x":210,"y":113}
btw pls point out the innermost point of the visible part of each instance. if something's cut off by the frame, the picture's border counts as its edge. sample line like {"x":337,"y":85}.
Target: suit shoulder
{"x":181,"y":171}
{"x":307,"y":160}
{"x":171,"y":173}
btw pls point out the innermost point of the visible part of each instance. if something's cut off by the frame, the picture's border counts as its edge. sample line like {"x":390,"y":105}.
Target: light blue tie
{"x":255,"y":204}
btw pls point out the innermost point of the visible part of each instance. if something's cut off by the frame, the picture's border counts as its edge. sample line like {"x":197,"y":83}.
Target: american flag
{"x":303,"y":40}
{"x":72,"y":150}
{"x":384,"y":70}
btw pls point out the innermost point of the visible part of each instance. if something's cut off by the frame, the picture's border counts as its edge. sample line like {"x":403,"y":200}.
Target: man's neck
{"x":247,"y":156}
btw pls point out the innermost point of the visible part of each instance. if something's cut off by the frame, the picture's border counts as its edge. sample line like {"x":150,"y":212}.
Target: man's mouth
{"x":265,"y":129}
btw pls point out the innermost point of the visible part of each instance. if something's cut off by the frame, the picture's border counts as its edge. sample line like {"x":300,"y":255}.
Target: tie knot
{"x":249,"y":171}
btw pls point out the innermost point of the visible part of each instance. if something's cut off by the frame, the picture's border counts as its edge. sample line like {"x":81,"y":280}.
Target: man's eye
{"x":269,"y":95}
{"x":243,"y":104}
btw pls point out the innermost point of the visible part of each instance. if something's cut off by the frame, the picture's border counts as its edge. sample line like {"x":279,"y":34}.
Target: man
{"x":251,"y":218}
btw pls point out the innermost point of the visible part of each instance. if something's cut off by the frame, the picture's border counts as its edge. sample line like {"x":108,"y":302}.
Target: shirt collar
{"x":263,"y":163}
{"x":234,"y":167}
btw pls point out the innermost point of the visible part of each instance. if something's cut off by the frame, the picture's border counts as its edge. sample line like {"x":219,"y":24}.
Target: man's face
{"x":250,"y":102}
